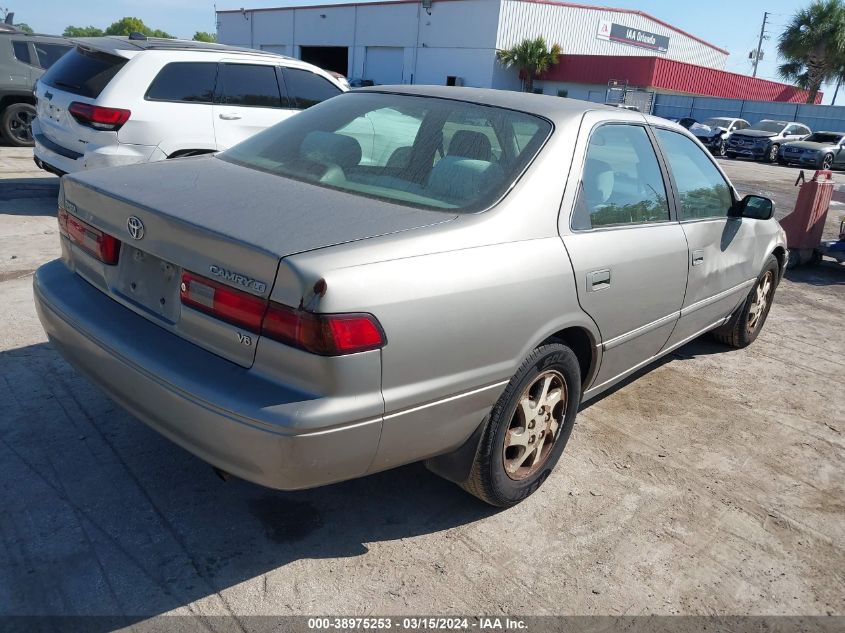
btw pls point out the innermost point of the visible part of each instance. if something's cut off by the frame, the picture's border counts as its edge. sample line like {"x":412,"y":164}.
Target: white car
{"x":117,"y":101}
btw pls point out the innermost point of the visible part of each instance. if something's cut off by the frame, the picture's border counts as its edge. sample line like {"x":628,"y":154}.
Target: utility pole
{"x":760,"y":43}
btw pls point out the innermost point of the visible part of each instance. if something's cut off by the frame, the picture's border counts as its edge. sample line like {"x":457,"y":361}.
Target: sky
{"x":734,"y":26}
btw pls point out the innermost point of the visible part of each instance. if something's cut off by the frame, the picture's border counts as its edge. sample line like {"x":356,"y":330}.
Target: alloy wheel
{"x":827,"y":162}
{"x":20,"y":126}
{"x":762,"y":297}
{"x":535,"y":425}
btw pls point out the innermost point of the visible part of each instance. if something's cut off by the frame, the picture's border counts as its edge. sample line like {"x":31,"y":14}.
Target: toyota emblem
{"x":135,"y":227}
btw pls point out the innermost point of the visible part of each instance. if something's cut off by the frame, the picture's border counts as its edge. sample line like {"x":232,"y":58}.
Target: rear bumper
{"x":225,"y":414}
{"x":69,"y":161}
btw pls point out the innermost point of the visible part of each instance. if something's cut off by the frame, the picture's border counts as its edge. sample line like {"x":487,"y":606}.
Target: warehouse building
{"x":454,"y":42}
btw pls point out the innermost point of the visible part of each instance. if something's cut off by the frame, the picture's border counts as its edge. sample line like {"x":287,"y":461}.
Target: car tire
{"x":514,"y":456}
{"x":772,"y":155}
{"x":746,"y":323}
{"x":16,"y":124}
{"x":721,"y":150}
{"x":827,"y":161}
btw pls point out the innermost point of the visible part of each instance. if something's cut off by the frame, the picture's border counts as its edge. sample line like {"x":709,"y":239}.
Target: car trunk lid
{"x":218,"y":220}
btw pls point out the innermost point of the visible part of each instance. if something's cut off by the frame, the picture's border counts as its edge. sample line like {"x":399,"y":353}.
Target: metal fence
{"x":817,"y":117}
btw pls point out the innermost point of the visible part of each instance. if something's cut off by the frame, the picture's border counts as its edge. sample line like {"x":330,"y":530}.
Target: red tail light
{"x":94,"y":241}
{"x":225,"y":303}
{"x":97,"y":117}
{"x":323,"y":334}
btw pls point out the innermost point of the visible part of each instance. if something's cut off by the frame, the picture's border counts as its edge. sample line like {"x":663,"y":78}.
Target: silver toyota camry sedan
{"x":402,"y":274}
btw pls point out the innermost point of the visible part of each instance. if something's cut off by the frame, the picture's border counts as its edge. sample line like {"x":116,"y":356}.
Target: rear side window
{"x":49,"y":54}
{"x":622,"y":182}
{"x":22,"y":52}
{"x":84,"y":72}
{"x":247,"y":85}
{"x":184,"y":81}
{"x":704,"y":192}
{"x":307,"y":89}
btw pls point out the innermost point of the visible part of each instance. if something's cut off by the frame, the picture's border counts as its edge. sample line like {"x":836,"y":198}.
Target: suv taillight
{"x":97,"y":117}
{"x":101,"y":245}
{"x":323,"y":334}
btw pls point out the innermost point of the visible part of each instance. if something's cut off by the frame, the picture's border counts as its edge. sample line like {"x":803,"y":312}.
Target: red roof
{"x":668,"y":74}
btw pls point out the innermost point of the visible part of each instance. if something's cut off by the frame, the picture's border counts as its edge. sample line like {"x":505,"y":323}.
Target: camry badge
{"x":135,"y":227}
{"x":238,"y":278}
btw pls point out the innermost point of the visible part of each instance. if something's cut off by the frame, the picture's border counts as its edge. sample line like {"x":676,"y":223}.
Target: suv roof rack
{"x":157,"y":43}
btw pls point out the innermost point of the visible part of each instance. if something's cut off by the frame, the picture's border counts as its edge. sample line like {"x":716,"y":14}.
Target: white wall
{"x":575,"y":28}
{"x":458,"y":38}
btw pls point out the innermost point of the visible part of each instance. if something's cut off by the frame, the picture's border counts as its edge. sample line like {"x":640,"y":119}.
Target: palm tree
{"x":532,"y":57}
{"x":813,"y":45}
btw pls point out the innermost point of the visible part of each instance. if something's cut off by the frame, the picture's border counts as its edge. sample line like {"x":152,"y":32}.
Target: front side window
{"x":21,"y":50}
{"x":184,"y":81}
{"x":622,"y":182}
{"x":249,"y":85}
{"x":49,"y":54}
{"x":703,"y":191}
{"x":308,"y":89}
{"x":400,"y":148}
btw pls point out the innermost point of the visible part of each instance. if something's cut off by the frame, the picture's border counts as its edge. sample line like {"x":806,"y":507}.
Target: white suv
{"x":117,"y":101}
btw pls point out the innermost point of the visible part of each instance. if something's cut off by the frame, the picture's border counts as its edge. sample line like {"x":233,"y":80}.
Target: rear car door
{"x":721,"y":247}
{"x":627,"y":251}
{"x":248,"y":100}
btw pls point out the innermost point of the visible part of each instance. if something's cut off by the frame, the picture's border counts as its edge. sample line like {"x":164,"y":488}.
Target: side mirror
{"x":754,"y":207}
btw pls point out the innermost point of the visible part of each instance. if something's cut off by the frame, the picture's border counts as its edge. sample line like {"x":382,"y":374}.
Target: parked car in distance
{"x":117,"y":101}
{"x":297,"y":316}
{"x":358,"y":82}
{"x":762,"y":141}
{"x":23,"y":59}
{"x":624,"y":106}
{"x":714,"y":133}
{"x":822,"y":150}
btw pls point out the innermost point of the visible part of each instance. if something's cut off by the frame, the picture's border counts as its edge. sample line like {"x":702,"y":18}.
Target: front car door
{"x":628,"y":254}
{"x":249,"y":99}
{"x":721,"y":257}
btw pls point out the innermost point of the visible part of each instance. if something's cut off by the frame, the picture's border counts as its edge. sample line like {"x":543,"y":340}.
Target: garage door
{"x":383,"y":64}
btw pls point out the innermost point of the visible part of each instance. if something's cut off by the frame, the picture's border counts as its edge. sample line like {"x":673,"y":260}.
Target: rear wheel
{"x":745,"y":325}
{"x":16,"y":124}
{"x":528,"y":427}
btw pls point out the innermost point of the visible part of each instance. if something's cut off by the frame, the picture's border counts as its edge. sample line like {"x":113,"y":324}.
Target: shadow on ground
{"x":826,"y":273}
{"x":24,"y":188}
{"x":107,"y":517}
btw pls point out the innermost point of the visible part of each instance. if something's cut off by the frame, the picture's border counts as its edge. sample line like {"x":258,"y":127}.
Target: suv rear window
{"x":84,"y":72}
{"x":22,"y":52}
{"x":184,"y":81}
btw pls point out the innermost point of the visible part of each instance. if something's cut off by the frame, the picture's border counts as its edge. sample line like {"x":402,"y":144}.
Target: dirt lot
{"x":714,"y":483}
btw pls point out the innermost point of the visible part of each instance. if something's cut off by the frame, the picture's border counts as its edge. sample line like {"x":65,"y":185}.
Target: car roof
{"x":35,"y":36}
{"x":548,"y":106}
{"x":114,"y":43}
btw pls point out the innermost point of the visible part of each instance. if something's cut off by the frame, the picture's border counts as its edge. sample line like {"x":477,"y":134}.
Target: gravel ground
{"x":711,"y":484}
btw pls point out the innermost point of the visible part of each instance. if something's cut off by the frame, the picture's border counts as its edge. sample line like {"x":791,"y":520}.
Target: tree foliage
{"x":203,"y":36}
{"x":813,"y":45}
{"x":533,"y":57}
{"x":83,"y":31}
{"x":23,"y":26}
{"x":124,"y":26}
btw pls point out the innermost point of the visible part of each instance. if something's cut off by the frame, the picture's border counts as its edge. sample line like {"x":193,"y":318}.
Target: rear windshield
{"x":83,"y":72}
{"x":417,"y":151}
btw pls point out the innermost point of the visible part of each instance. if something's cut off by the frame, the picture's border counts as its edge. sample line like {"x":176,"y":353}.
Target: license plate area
{"x":149,"y":282}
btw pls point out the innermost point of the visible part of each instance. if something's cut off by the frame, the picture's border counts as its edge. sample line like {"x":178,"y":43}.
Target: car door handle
{"x":697,"y":258}
{"x":229,"y":116}
{"x":598,"y":280}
